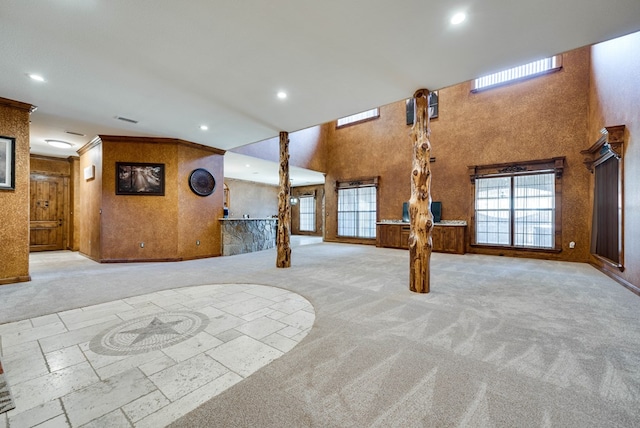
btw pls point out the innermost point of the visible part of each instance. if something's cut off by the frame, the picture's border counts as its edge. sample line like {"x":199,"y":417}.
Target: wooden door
{"x":47,"y":221}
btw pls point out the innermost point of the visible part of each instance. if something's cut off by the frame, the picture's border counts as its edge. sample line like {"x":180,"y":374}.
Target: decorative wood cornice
{"x":609,"y":144}
{"x":5,"y":102}
{"x":554,"y":164}
{"x":158,"y":140}
{"x":96,"y":141}
{"x":357,"y":182}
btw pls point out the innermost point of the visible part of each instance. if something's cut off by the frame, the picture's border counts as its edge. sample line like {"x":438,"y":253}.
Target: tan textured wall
{"x":258,"y":200}
{"x":539,"y":118}
{"x":307,"y":148}
{"x":14,"y":204}
{"x":129,"y":220}
{"x":295,"y":210}
{"x":198,"y":215}
{"x":168,"y":225}
{"x":615,"y":100}
{"x":50,"y":165}
{"x":90,"y":197}
{"x":381,"y":147}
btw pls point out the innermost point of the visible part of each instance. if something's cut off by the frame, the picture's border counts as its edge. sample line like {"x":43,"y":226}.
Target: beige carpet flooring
{"x":498,"y":342}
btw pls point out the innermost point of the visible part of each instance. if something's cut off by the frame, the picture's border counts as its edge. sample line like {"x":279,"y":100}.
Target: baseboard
{"x":633,"y":288}
{"x":208,"y":256}
{"x":179,"y":259}
{"x":4,"y":281}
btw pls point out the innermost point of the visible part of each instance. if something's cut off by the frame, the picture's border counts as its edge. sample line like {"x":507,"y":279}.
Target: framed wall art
{"x":139,"y":178}
{"x":7,"y":163}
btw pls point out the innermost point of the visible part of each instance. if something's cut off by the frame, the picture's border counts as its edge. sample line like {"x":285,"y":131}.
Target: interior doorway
{"x":48,"y":212}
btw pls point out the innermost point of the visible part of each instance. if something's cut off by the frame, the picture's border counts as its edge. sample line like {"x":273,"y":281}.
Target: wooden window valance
{"x":609,"y":144}
{"x":360,"y":182}
{"x":554,"y":164}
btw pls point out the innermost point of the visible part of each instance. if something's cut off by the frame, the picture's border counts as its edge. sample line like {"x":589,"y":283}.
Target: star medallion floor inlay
{"x":147,"y":360}
{"x":149,"y":333}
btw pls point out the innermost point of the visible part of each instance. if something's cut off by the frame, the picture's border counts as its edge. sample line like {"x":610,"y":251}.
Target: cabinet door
{"x":448,"y":239}
{"x":436,"y":239}
{"x":404,"y":236}
{"x":389,"y":235}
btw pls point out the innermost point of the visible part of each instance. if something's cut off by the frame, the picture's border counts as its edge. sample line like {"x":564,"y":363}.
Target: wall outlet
{"x":572,"y":245}
{"x":142,"y":245}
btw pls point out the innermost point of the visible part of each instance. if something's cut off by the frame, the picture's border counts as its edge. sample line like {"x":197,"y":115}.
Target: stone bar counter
{"x":246,"y":235}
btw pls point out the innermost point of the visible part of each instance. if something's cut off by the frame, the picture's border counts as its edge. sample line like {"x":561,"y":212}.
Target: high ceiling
{"x":176,"y":65}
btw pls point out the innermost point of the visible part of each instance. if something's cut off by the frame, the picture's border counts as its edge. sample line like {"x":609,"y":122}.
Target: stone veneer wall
{"x":241,"y":236}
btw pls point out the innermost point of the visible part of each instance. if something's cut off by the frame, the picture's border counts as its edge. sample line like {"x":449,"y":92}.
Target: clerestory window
{"x":532,"y":69}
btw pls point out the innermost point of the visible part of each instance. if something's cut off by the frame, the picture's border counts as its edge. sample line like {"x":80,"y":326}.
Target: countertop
{"x":440,"y":223}
{"x":246,"y":219}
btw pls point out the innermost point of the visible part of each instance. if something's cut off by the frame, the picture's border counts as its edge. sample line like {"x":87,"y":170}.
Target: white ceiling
{"x":175,"y":65}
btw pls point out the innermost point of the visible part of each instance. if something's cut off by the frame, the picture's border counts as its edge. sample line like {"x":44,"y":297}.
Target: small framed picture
{"x":7,"y":163}
{"x":139,"y":179}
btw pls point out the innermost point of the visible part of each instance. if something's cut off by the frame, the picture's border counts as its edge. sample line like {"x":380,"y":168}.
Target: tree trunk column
{"x":284,"y":206}
{"x":420,"y":243}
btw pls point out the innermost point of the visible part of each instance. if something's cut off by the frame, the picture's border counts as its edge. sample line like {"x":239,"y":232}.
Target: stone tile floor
{"x":147,"y":360}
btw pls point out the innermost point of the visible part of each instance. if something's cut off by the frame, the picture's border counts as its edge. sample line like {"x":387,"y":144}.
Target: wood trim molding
{"x":357,"y":182}
{"x":96,"y":141}
{"x":556,"y":164}
{"x":609,"y":144}
{"x":15,"y":279}
{"x":5,"y":102}
{"x":617,"y":278}
{"x":146,"y":140}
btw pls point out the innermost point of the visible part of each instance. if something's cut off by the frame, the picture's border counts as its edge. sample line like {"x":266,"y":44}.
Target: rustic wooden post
{"x":420,"y":243}
{"x":284,"y":206}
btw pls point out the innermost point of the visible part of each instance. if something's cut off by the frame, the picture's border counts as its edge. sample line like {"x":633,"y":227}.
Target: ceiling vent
{"x":124,"y":119}
{"x":76,"y":133}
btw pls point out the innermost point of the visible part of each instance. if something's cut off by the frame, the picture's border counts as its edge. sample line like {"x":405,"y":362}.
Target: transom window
{"x":359,"y":117}
{"x":357,"y":208}
{"x":518,"y":205}
{"x":525,"y":71}
{"x":307,"y":213}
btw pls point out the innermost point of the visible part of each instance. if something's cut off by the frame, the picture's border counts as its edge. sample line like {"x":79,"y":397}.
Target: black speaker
{"x":405,"y":212}
{"x":436,"y":210}
{"x":411,"y":106}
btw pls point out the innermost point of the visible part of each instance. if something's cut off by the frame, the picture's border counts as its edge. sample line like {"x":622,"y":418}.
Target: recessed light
{"x":248,"y":166}
{"x":204,"y":127}
{"x":458,"y":18}
{"x":282,"y":95}
{"x":36,"y":77}
{"x":59,"y":144}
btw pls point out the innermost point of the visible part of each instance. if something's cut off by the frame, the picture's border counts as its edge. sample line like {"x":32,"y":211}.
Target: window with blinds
{"x":516,"y":210}
{"x":525,"y":71}
{"x":307,"y":207}
{"x":357,"y":208}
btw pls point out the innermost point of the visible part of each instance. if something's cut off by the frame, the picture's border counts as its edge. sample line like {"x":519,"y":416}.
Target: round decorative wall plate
{"x":202,"y":182}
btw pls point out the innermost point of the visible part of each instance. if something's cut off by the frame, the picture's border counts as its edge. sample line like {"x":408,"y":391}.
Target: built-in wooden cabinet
{"x":392,"y":235}
{"x":447,"y":238}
